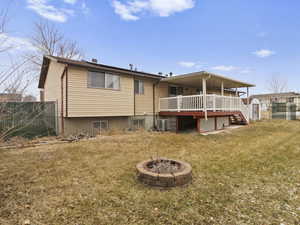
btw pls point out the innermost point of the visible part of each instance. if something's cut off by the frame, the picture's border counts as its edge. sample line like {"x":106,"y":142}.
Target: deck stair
{"x":238,"y":119}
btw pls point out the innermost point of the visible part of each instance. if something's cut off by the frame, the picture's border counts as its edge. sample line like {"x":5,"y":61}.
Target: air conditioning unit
{"x":162,"y":124}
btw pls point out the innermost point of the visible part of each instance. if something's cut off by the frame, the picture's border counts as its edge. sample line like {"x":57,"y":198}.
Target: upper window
{"x":174,"y":91}
{"x":103,"y":80}
{"x":139,"y":87}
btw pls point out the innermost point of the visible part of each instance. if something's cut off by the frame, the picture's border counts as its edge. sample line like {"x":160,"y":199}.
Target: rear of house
{"x":94,"y":97}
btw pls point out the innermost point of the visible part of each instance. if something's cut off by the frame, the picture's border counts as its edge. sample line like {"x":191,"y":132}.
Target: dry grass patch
{"x":249,"y":176}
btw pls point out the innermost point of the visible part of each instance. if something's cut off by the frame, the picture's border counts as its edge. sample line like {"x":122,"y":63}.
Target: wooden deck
{"x":199,"y":113}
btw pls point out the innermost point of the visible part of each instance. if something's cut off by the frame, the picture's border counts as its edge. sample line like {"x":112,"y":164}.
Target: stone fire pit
{"x":164,"y":172}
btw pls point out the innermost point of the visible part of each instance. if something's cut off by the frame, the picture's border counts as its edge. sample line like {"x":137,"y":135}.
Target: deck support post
{"x":214,"y":102}
{"x":222,"y":94}
{"x":222,"y":88}
{"x":204,"y":96}
{"x":248,"y":102}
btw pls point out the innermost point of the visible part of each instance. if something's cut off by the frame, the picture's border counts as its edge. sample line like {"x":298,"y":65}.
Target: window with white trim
{"x":103,"y":80}
{"x":138,"y":123}
{"x":101,"y":125}
{"x":139,"y":87}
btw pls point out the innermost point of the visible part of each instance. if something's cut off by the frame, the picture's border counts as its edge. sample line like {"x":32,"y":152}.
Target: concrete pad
{"x":222,"y":131}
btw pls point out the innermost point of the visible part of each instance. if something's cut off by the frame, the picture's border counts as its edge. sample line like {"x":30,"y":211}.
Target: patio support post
{"x":204,"y":96}
{"x":248,"y":96}
{"x":236,"y":92}
{"x":248,"y":102}
{"x":222,"y":93}
{"x":214,"y":102}
{"x":222,"y":88}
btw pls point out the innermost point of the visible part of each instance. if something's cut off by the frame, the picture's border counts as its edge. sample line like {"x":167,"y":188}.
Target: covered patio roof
{"x":213,"y":81}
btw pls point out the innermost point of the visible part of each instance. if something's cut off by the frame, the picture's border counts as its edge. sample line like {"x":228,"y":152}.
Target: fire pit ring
{"x":162,"y":172}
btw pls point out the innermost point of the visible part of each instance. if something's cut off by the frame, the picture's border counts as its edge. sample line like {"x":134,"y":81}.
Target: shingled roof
{"x":283,"y":94}
{"x":91,"y":66}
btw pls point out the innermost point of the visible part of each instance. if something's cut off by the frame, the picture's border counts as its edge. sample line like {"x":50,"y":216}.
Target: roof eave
{"x":44,"y":71}
{"x":202,"y":73}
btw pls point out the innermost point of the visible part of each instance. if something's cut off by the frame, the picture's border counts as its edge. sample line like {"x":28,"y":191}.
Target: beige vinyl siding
{"x":144,"y":102}
{"x":52,"y":88}
{"x":161,"y":92}
{"x":93,"y":102}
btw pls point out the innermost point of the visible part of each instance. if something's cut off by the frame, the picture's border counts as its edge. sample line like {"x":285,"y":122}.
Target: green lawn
{"x":248,"y":176}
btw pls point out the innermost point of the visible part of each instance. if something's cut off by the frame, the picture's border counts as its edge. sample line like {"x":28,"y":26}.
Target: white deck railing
{"x":196,"y":103}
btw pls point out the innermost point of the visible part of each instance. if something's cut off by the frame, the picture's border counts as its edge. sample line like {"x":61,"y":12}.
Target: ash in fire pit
{"x":163,"y":166}
{"x":163,"y":172}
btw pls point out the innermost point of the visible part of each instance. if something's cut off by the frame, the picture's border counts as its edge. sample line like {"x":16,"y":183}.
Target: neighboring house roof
{"x":283,"y":94}
{"x":214,"y":81}
{"x":10,"y":97}
{"x":91,"y":66}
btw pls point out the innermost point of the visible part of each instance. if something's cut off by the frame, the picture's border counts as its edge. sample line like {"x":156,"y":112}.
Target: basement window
{"x":100,"y":126}
{"x":138,"y":124}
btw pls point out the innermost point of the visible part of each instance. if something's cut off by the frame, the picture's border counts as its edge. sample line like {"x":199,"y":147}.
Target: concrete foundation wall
{"x":207,"y":125}
{"x":84,"y":125}
{"x":172,"y":122}
{"x":148,"y":121}
{"x":74,"y":126}
{"x":222,"y":122}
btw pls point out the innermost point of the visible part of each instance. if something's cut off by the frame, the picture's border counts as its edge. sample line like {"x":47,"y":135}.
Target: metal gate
{"x":292,"y":111}
{"x":255,"y":112}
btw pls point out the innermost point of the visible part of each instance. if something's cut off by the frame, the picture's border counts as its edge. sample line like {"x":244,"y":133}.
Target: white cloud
{"x":15,"y":43}
{"x":245,"y":71}
{"x":168,"y":7}
{"x":131,"y":9}
{"x":224,"y":68}
{"x":187,"y":64}
{"x":264,"y":53}
{"x":125,"y":12}
{"x":85,"y":8}
{"x":70,"y":1}
{"x":48,"y":11}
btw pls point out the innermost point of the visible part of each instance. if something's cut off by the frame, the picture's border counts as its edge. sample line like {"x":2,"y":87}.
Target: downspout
{"x":153,"y":105}
{"x":154,"y":102}
{"x":67,"y":104}
{"x":134,"y":96}
{"x":62,"y":101}
{"x":248,"y":102}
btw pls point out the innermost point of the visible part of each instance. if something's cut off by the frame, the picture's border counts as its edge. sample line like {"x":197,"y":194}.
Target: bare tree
{"x":277,"y":85}
{"x":15,"y":77}
{"x":48,"y":40}
{"x":3,"y":37}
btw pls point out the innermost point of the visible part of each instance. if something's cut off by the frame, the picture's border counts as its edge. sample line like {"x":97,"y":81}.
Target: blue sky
{"x":249,"y":40}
